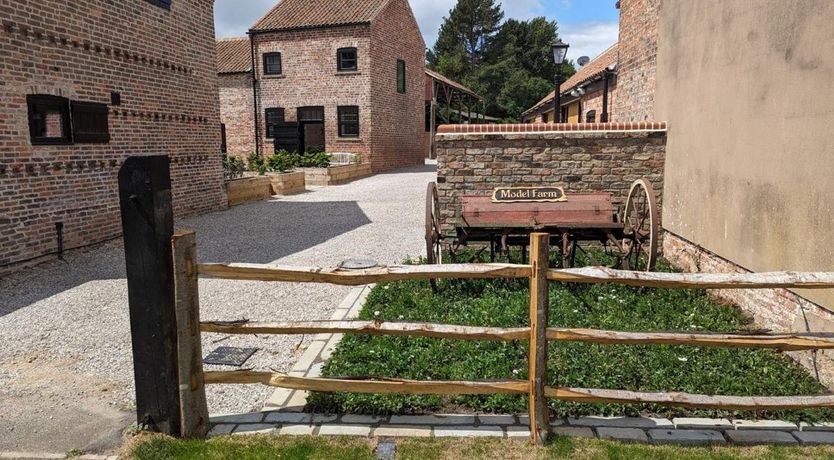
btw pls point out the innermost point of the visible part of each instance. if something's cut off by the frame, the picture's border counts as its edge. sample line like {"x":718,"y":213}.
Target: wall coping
{"x":552,"y":127}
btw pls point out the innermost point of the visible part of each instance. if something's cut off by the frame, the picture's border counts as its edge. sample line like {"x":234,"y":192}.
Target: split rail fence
{"x":165,"y":321}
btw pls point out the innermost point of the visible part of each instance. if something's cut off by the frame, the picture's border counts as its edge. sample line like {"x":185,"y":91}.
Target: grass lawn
{"x":504,"y":303}
{"x":297,"y":448}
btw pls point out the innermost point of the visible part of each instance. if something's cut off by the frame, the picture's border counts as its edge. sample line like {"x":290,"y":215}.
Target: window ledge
{"x":345,"y":73}
{"x":274,"y":77}
{"x":349,"y":139}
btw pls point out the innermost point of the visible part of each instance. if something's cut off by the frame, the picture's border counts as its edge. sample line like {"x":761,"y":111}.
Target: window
{"x":311,"y":114}
{"x":400,"y":76}
{"x":89,"y":123}
{"x":273,"y":117}
{"x":591,"y":116}
{"x":162,"y":3}
{"x":223,"y":147}
{"x":272,"y":64}
{"x":348,"y":121}
{"x":49,"y":120}
{"x":346,"y":59}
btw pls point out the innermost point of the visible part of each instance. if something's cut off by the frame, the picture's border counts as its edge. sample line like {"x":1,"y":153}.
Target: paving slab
{"x":254,"y":417}
{"x":339,"y":429}
{"x":687,"y":437}
{"x":573,"y":431}
{"x":770,"y":425}
{"x":25,"y":455}
{"x":296,"y":402}
{"x":288,"y":417}
{"x":814,"y":437}
{"x":296,"y":430}
{"x":221,"y":430}
{"x":403,"y":431}
{"x":468,"y":432}
{"x":518,"y":432}
{"x":362,"y":419}
{"x":823,"y":426}
{"x":757,"y":437}
{"x":433,"y":420}
{"x":256,"y":428}
{"x":623,"y":434}
{"x":621,"y":422}
{"x":684,"y":423}
{"x":497,"y":419}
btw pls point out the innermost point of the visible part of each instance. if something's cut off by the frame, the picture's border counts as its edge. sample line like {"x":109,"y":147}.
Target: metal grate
{"x":230,"y":356}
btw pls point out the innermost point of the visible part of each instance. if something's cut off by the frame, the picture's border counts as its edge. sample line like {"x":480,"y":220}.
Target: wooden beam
{"x":193,"y":407}
{"x":596,"y":396}
{"x":147,"y":226}
{"x":377,"y":328}
{"x":815,"y":280}
{"x":397,"y":386}
{"x":784,"y":342}
{"x":360,"y":277}
{"x":539,"y":305}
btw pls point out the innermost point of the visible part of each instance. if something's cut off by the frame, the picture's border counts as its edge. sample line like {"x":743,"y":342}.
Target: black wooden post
{"x":148,"y":226}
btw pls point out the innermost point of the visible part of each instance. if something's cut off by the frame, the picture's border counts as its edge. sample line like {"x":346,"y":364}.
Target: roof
{"x":589,"y":72}
{"x":306,"y":14}
{"x":449,"y":82}
{"x":233,"y":55}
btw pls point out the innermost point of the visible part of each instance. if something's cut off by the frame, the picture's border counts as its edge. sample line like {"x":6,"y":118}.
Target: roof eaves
{"x":309,"y":27}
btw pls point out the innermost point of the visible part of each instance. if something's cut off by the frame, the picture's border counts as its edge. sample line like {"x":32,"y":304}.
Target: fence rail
{"x":537,"y":334}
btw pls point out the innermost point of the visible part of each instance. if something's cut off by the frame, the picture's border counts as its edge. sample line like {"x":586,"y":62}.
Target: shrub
{"x":233,"y":167}
{"x":315,"y":159}
{"x":282,"y":162}
{"x":257,"y":163}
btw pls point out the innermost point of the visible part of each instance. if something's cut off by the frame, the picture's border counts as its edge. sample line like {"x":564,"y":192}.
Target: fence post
{"x":194,"y":411}
{"x":539,"y":304}
{"x":148,"y":225}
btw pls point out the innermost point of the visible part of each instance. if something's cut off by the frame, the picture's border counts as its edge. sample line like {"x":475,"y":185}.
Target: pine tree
{"x":465,"y":37}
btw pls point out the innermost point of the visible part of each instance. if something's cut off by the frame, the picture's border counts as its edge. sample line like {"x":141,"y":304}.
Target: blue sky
{"x":590,"y":26}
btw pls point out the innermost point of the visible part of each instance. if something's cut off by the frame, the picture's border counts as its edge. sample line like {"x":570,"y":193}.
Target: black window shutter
{"x":273,"y":117}
{"x":90,"y":123}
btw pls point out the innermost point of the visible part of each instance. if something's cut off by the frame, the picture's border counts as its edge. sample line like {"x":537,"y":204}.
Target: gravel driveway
{"x":65,"y":364}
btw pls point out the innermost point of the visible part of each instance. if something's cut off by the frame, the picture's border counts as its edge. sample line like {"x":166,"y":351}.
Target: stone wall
{"x":637,"y":67}
{"x":607,"y":157}
{"x":160,"y":62}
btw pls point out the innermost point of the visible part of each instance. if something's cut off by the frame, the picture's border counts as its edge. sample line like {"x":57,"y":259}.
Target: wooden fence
{"x":164,"y":307}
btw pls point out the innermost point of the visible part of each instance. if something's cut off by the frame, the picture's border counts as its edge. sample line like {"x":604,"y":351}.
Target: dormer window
{"x":347,"y":60}
{"x":272,"y":64}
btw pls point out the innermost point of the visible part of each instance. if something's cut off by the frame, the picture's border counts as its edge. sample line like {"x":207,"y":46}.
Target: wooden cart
{"x":573,"y":220}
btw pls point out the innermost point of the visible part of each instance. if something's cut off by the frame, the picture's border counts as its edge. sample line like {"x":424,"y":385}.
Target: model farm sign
{"x":529,"y":195}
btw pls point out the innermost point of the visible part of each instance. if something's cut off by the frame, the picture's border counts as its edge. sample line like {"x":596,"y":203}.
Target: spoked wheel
{"x":642,"y":224}
{"x":434,"y":250}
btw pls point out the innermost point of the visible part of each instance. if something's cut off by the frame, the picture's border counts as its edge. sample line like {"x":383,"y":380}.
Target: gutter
{"x":255,"y":92}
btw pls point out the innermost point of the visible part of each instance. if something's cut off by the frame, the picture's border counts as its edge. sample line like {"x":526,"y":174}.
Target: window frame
{"x":78,"y":109}
{"x":340,"y":61}
{"x":267,"y":125}
{"x":280,"y":63}
{"x":401,"y":77}
{"x":591,"y":116}
{"x":165,"y":4}
{"x":224,"y":148}
{"x":343,"y":110}
{"x":63,"y":105}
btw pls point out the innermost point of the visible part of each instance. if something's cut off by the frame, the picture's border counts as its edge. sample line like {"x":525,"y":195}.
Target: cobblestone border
{"x":283,"y":415}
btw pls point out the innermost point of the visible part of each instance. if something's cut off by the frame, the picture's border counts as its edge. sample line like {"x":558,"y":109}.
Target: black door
{"x":311,"y":120}
{"x":287,"y":137}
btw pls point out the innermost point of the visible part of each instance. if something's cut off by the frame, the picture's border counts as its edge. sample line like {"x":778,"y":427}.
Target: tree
{"x":465,"y":37}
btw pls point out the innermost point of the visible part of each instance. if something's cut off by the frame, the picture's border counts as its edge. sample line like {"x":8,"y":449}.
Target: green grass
{"x":298,"y":448}
{"x":504,"y":303}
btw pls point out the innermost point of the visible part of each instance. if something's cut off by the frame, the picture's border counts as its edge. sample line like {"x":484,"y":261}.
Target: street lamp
{"x":560,"y":51}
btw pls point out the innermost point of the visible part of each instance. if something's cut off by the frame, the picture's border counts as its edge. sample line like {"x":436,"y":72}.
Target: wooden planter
{"x":287,"y":183}
{"x":248,"y":189}
{"x":336,"y":175}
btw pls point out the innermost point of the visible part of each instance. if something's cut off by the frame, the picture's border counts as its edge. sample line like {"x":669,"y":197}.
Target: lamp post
{"x":560,"y":50}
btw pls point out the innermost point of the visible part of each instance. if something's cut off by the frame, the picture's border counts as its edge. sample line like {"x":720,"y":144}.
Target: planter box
{"x":248,"y":189}
{"x":287,"y":183}
{"x":336,"y":175}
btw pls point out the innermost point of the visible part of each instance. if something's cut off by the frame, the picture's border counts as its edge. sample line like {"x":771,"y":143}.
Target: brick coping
{"x":551,"y":127}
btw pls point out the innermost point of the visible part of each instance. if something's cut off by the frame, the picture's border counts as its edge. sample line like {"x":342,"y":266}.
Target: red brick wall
{"x":310,"y":79}
{"x":237,"y":114}
{"x":399,"y":125}
{"x":161,"y":61}
{"x":636,"y":79}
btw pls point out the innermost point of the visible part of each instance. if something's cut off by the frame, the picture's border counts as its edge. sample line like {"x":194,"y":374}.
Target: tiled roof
{"x":302,"y":14}
{"x":233,"y":55}
{"x":449,"y":82}
{"x":589,"y":72}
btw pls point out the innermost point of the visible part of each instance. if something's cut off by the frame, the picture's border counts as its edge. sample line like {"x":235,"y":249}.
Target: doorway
{"x":311,"y":124}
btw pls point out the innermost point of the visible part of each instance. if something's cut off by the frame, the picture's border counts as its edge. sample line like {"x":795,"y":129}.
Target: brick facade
{"x":160,"y":61}
{"x":637,"y":71}
{"x":236,"y":113}
{"x":475,"y":159}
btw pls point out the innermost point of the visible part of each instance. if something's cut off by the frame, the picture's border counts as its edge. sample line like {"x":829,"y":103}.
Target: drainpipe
{"x":604,"y":117}
{"x":255,"y":92}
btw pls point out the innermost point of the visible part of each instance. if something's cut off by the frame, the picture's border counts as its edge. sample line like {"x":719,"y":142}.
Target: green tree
{"x":465,"y":37}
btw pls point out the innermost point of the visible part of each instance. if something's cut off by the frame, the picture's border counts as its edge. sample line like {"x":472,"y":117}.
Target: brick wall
{"x":160,"y":61}
{"x":237,"y":114}
{"x":778,"y":310}
{"x":636,"y":76}
{"x":607,"y":157}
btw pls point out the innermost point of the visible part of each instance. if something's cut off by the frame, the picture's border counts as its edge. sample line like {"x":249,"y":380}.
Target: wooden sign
{"x":529,"y":195}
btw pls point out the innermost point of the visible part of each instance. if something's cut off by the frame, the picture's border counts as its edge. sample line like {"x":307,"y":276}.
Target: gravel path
{"x":66,"y":342}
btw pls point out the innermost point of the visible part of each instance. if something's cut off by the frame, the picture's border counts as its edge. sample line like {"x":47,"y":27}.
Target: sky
{"x":589,"y":26}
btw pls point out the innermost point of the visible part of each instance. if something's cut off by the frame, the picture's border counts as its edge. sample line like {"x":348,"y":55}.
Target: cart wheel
{"x":642,"y":225}
{"x":434,"y":250}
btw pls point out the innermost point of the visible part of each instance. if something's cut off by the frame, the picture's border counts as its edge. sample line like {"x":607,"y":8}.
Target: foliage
{"x":509,"y":64}
{"x":257,"y":163}
{"x":504,"y":303}
{"x":233,"y":167}
{"x":281,"y":162}
{"x":313,"y":159}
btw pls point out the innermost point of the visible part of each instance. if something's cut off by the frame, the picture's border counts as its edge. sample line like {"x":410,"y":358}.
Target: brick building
{"x":587,"y":96}
{"x":349,"y":73}
{"x":84,"y":87}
